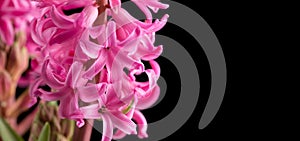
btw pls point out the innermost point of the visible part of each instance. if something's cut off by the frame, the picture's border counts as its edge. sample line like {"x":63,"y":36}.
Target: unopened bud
{"x":2,"y":59}
{"x":5,"y":85}
{"x":17,"y":61}
{"x":61,"y":129}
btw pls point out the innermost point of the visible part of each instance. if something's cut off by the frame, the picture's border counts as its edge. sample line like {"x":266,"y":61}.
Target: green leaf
{"x":45,"y":133}
{"x":7,"y":133}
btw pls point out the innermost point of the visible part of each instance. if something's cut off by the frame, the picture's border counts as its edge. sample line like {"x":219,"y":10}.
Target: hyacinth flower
{"x":90,"y":62}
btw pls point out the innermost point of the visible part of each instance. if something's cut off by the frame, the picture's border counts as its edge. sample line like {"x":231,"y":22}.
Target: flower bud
{"x":17,"y":61}
{"x":5,"y":85}
{"x":2,"y":59}
{"x":61,"y":129}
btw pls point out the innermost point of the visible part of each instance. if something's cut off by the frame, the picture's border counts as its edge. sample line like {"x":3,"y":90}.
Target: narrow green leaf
{"x":45,"y":133}
{"x":7,"y":133}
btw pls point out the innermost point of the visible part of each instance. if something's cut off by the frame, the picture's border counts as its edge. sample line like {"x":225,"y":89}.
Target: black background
{"x":227,"y":20}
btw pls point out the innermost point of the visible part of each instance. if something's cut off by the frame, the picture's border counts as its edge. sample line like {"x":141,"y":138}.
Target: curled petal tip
{"x":80,"y":123}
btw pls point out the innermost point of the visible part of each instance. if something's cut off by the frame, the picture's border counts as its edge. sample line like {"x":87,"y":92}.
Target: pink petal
{"x":91,"y":111}
{"x":122,"y":122}
{"x":80,"y":123}
{"x":64,"y":36}
{"x":149,"y":99}
{"x":34,"y":33}
{"x":74,"y":74}
{"x":158,"y":24}
{"x":89,"y":93}
{"x":96,"y":31}
{"x":51,"y":96}
{"x":32,"y":89}
{"x":60,"y":20}
{"x":107,"y":128}
{"x":114,"y":3}
{"x":49,"y":77}
{"x":155,"y":66}
{"x":68,"y":106}
{"x":89,"y":48}
{"x":142,"y":124}
{"x":143,"y":8}
{"x":155,"y":5}
{"x":90,"y":15}
{"x":118,"y":135}
{"x":97,"y":66}
{"x":76,"y":4}
{"x":123,"y":18}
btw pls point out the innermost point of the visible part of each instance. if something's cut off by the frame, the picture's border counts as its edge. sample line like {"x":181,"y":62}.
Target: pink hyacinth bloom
{"x":14,"y":17}
{"x":84,"y":63}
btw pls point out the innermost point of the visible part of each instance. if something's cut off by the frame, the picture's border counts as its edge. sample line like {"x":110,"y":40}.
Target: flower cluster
{"x":14,"y":18}
{"x":89,"y":53}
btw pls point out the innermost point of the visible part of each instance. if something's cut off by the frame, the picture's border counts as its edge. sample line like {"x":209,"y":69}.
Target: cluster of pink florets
{"x":90,"y":61}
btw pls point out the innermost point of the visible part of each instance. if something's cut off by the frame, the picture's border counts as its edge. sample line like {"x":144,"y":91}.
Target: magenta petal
{"x":63,"y":36}
{"x":142,"y":124}
{"x":51,"y":96}
{"x":123,"y":123}
{"x":107,"y":128}
{"x":49,"y":77}
{"x":32,"y":89}
{"x":80,"y":123}
{"x":76,"y":4}
{"x":60,"y":20}
{"x":35,"y":34}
